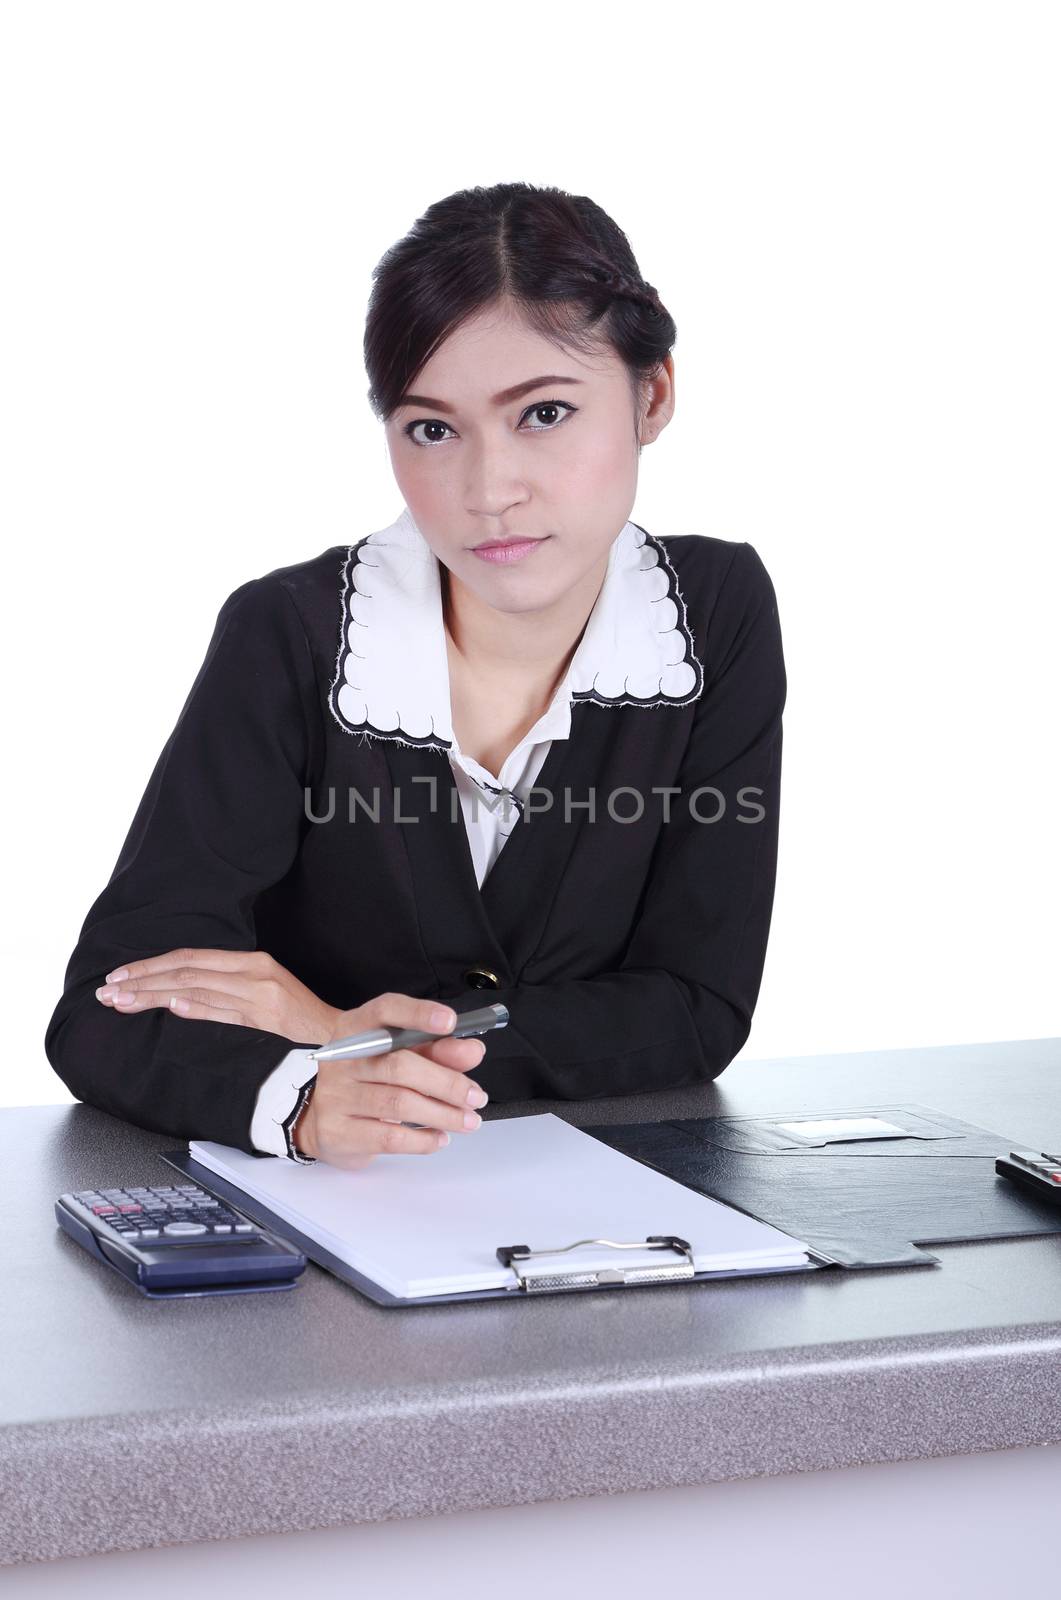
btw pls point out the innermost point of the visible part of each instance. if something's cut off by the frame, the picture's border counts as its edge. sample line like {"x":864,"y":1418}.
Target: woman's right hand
{"x":357,"y":1106}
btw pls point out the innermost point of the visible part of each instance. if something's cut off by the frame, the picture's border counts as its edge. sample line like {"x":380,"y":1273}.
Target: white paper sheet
{"x":425,"y":1225}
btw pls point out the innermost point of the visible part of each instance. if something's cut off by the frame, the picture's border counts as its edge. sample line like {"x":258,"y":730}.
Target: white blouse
{"x":490,"y":816}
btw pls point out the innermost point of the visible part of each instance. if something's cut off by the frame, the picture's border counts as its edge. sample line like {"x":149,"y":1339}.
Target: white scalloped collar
{"x":392,"y":671}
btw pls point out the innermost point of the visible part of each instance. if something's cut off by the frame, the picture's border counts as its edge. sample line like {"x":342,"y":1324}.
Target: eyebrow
{"x":515,"y":393}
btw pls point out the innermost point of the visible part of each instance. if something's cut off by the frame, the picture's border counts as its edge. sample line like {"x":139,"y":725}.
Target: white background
{"x":850,"y":210}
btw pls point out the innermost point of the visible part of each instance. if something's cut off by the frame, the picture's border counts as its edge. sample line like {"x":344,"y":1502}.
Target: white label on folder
{"x":843,"y":1128}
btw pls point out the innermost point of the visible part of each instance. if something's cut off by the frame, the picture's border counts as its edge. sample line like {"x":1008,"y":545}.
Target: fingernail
{"x":443,"y":1138}
{"x":105,"y":993}
{"x":117,"y":975}
{"x":442,"y":1017}
{"x":178,"y":1004}
{"x":125,"y":998}
{"x":472,"y":1119}
{"x":477,"y":1096}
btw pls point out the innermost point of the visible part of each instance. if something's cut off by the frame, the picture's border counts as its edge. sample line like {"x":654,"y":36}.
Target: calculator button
{"x":105,"y":1210}
{"x":149,"y":1233}
{"x":184,"y":1227}
{"x":244,"y":1227}
{"x":222,"y":1227}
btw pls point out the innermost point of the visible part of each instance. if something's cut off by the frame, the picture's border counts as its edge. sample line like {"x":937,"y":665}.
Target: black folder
{"x":858,"y":1200}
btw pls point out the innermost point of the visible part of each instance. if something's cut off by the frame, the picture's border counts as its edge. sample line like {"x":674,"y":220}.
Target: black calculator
{"x":1033,"y":1170}
{"x":172,"y":1241}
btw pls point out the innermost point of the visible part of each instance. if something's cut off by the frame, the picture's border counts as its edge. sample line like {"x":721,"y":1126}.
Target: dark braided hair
{"x":642,"y":294}
{"x":556,"y":257}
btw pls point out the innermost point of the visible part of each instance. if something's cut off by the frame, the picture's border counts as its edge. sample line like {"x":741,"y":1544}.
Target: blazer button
{"x":482,"y":978}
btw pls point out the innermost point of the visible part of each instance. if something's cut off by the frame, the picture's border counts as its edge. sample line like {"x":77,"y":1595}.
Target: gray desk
{"x":127,"y":1423}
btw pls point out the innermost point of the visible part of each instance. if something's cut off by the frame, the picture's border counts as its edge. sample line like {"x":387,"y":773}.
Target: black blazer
{"x":629,"y":952}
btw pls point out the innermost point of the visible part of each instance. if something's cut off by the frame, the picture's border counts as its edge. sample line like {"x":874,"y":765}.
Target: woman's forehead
{"x":482,"y":363}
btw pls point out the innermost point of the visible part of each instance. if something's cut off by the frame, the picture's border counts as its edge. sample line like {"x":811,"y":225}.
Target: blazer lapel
{"x":454,"y":925}
{"x":518,"y":891}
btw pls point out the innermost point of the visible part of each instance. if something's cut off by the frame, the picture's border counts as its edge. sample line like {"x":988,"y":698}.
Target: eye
{"x":542,"y":405}
{"x":424,"y":422}
{"x":548,"y":405}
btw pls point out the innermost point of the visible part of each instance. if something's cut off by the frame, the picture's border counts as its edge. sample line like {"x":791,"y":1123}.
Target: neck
{"x":522,"y":656}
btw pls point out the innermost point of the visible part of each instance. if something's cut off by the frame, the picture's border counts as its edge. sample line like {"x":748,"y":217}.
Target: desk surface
{"x":127,"y":1423}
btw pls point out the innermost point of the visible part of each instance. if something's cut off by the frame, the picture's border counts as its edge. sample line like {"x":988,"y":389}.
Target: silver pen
{"x":380,"y":1041}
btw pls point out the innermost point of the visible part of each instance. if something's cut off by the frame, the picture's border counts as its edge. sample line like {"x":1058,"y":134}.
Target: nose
{"x":493,"y":485}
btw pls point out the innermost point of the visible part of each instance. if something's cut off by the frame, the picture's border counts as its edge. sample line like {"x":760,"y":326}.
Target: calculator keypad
{"x":166,"y":1214}
{"x":1046,"y":1166}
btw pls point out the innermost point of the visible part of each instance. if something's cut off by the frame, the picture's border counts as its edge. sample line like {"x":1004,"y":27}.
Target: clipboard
{"x":675,"y":1267}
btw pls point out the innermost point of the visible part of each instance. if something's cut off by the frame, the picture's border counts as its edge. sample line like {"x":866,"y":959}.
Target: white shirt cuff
{"x":276,"y":1101}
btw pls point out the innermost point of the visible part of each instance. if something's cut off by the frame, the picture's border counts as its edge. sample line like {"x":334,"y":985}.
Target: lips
{"x":499,"y":544}
{"x":506,"y":552}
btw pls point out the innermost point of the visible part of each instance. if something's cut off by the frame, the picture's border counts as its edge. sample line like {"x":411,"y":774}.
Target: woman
{"x":511,"y":743}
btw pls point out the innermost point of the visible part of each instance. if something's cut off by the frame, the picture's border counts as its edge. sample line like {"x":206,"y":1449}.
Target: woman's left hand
{"x":246,"y":987}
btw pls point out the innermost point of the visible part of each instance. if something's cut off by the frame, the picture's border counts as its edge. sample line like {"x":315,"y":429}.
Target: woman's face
{"x":503,"y":434}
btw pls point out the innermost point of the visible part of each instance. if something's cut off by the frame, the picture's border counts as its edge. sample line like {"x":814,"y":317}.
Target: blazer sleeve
{"x":221,"y":819}
{"x":679,"y":1006}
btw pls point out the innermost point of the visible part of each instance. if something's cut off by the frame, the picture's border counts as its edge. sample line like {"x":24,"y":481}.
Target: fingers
{"x":201,"y":985}
{"x":360,"y":1105}
{"x":437,"y":1071}
{"x":222,"y":960}
{"x":363,"y":1138}
{"x":413,"y":1091}
{"x":459,"y":1055}
{"x":203,"y":1001}
{"x":406,"y":1011}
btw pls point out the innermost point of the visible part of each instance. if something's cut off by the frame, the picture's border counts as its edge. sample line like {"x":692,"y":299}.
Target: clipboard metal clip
{"x":549,"y":1279}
